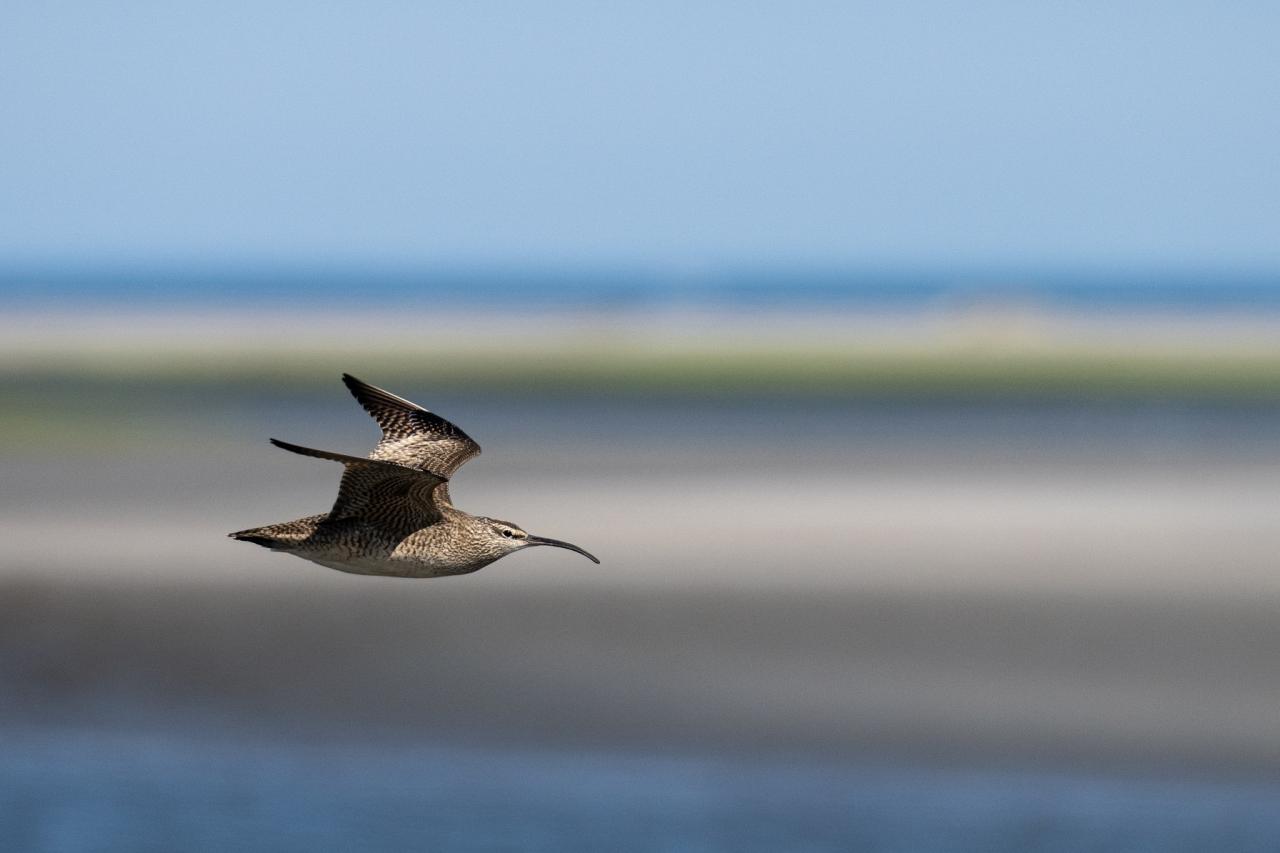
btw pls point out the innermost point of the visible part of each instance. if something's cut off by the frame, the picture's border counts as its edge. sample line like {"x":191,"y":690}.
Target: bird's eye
{"x":507,"y":533}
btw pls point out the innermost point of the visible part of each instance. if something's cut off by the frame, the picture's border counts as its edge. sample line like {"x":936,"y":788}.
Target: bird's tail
{"x":257,"y":536}
{"x":283,"y":536}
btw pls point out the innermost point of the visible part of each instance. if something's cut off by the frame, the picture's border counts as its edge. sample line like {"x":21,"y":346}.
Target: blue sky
{"x":675,"y":135}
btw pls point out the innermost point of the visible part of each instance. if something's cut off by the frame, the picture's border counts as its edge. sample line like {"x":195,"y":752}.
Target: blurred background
{"x":914,"y":370}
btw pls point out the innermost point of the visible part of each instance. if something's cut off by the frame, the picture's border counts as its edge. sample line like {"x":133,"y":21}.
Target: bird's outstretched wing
{"x":412,"y":436}
{"x":394,"y":497}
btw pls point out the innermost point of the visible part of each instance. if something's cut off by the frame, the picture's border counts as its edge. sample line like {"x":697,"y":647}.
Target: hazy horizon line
{"x":621,"y":285}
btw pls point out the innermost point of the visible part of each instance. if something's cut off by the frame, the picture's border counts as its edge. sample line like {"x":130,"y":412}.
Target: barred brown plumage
{"x":393,"y":515}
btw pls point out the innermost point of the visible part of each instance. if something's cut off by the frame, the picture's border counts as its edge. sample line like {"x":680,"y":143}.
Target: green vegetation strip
{"x":164,"y":399}
{"x":939,"y":372}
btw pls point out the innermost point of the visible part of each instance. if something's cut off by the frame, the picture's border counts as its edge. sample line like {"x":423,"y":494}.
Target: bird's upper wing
{"x":412,"y":436}
{"x":394,"y":497}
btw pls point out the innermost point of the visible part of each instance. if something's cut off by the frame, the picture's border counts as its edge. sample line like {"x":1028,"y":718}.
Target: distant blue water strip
{"x":622,"y":289}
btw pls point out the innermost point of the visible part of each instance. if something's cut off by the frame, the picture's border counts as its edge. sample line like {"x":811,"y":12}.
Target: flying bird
{"x":393,"y":515}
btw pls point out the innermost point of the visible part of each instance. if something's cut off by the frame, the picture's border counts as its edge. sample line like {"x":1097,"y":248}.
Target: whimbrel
{"x":393,"y":515}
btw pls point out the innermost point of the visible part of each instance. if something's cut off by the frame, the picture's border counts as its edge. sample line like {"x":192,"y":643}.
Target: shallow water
{"x":64,"y":791}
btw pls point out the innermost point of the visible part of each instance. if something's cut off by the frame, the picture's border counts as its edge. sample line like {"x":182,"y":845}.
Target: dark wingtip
{"x":298,"y":448}
{"x":371,"y":397}
{"x":364,"y":392}
{"x":311,"y":451}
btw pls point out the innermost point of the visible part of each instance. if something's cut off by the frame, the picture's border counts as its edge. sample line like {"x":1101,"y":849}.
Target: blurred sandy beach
{"x":1083,"y":581}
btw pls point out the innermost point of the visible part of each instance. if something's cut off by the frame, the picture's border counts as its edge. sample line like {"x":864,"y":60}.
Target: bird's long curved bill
{"x":556,"y":543}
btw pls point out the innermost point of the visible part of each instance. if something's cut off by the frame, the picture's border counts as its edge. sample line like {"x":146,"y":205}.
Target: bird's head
{"x":504,"y":538}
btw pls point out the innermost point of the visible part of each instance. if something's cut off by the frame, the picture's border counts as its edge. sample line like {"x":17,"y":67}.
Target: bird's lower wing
{"x":385,"y":494}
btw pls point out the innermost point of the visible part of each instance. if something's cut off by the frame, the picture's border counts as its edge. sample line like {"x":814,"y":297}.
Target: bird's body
{"x":393,"y":515}
{"x":448,"y":547}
